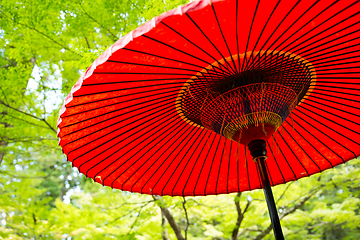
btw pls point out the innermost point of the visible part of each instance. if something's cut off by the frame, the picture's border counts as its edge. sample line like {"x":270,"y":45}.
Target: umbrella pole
{"x":258,"y":151}
{"x":270,"y":200}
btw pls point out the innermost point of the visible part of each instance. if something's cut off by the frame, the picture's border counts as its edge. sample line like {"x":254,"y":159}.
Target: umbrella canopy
{"x":170,"y":108}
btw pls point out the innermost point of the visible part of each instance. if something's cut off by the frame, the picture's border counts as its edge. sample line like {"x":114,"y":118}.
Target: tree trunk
{"x":165,"y":211}
{"x":164,"y":232}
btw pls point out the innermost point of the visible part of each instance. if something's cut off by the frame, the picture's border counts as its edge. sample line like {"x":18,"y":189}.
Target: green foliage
{"x":44,"y":47}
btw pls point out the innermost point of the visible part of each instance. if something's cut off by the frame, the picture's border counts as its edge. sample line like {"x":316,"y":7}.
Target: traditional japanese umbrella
{"x":220,"y":96}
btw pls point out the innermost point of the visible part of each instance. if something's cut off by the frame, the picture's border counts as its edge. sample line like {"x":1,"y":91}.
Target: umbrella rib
{"x":112,"y":154}
{"x":277,"y":164}
{"x":182,"y":159}
{"x":155,"y":55}
{"x":228,"y":171}
{"x":112,"y":118}
{"x":303,"y":35}
{"x":337,"y":60}
{"x":313,"y":135}
{"x":272,"y":51}
{"x":149,"y":65}
{"x":351,"y":113}
{"x":212,"y":163}
{"x":143,"y":73}
{"x":334,"y":121}
{"x":136,"y":126}
{"x":342,"y":104}
{"x":222,"y":34}
{"x":207,"y":154}
{"x":110,"y":105}
{"x":172,"y":73}
{"x":198,"y":48}
{"x":328,"y":128}
{"x":294,"y":154}
{"x":252,"y":58}
{"x":248,"y":38}
{"x":334,"y":51}
{"x":332,"y":40}
{"x":323,"y":87}
{"x":221,"y":159}
{"x":112,"y":98}
{"x":343,"y":68}
{"x":170,"y":128}
{"x":119,"y":150}
{"x":292,"y":137}
{"x":132,"y":81}
{"x":287,"y":39}
{"x":247,"y":167}
{"x":197,"y":158}
{"x":333,"y":91}
{"x":236,"y":31}
{"x":331,"y":34}
{"x":285,"y":158}
{"x":232,"y":70}
{"x":165,"y":160}
{"x":308,"y":54}
{"x":139,"y":158}
{"x":335,"y":73}
{"x":202,"y":132}
{"x":331,"y":82}
{"x":205,"y":78}
{"x":333,"y":96}
{"x":192,"y":129}
{"x":339,"y":77}
{"x":160,"y":42}
{"x":302,"y":15}
{"x":125,"y":95}
{"x":238,"y":166}
{"x":110,"y":148}
{"x":141,"y":87}
{"x":323,"y":132}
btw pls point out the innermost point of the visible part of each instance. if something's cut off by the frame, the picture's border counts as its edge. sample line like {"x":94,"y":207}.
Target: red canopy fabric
{"x":121,"y":125}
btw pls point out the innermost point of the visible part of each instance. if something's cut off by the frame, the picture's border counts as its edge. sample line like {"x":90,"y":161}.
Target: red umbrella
{"x":171,"y":108}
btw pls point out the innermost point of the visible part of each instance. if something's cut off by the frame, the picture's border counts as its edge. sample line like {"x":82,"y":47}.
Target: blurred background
{"x":44,"y":48}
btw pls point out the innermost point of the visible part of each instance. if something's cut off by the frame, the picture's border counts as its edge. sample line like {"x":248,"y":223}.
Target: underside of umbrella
{"x":170,"y":108}
{"x":174,"y":107}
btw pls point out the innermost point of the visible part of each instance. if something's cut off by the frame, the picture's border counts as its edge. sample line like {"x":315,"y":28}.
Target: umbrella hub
{"x":249,"y":112}
{"x":249,"y":104}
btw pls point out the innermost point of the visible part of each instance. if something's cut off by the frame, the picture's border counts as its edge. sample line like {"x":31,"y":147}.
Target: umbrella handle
{"x":270,"y":199}
{"x":257,"y":149}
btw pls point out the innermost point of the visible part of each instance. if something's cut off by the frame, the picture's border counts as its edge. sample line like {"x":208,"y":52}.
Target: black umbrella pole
{"x":270,"y":200}
{"x":257,"y":149}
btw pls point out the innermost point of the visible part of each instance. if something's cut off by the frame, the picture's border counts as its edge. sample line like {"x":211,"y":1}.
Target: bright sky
{"x":51,"y":99}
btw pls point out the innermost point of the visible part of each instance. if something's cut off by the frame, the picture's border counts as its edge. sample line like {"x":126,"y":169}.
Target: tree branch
{"x":240,"y":217}
{"x":115,"y":38}
{"x":2,"y":144}
{"x":28,"y":114}
{"x":17,"y":176}
{"x":289,"y":211}
{"x":169,"y":217}
{"x":41,"y":33}
{"x":186,"y":216}
{"x":164,"y":233}
{"x":283,"y":193}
